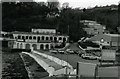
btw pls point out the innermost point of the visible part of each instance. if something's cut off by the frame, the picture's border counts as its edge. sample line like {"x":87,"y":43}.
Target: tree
{"x":119,"y":15}
{"x":65,"y":5}
{"x":53,"y":6}
{"x":70,"y":24}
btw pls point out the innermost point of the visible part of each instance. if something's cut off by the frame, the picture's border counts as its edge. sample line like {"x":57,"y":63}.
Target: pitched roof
{"x":106,"y":37}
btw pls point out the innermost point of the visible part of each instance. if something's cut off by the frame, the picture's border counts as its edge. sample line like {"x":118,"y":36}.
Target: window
{"x":41,"y":46}
{"x":38,"y":38}
{"x":34,"y":37}
{"x":47,"y":38}
{"x":2,"y":35}
{"x":30,"y":37}
{"x":55,"y":39}
{"x":27,"y":46}
{"x":34,"y":46}
{"x":19,"y":37}
{"x":47,"y":46}
{"x":43,"y":37}
{"x":23,"y":37}
{"x":51,"y":38}
{"x":15,"y":37}
{"x":64,"y":39}
{"x":26,"y":37}
{"x":60,"y":38}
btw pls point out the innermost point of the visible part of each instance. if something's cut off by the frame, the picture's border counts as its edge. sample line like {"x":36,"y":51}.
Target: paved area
{"x":111,"y":72}
{"x":71,"y":58}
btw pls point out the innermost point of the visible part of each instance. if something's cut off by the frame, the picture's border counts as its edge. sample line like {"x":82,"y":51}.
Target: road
{"x":73,"y":59}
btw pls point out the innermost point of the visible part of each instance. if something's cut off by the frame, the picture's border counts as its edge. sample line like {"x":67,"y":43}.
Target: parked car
{"x":70,"y":51}
{"x":77,"y":52}
{"x":80,"y":54}
{"x":54,"y":51}
{"x":61,"y":51}
{"x":90,"y":56}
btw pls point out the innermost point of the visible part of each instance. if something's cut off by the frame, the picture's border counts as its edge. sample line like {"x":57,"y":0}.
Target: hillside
{"x":106,"y":15}
{"x":24,"y":16}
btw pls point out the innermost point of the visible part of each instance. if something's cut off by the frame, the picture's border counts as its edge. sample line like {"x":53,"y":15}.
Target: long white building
{"x":43,"y":39}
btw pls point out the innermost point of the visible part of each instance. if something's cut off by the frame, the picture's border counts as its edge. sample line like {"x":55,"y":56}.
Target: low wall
{"x":55,"y":59}
{"x":50,"y":70}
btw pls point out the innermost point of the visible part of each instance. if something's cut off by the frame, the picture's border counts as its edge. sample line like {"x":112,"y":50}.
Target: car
{"x":81,"y":52}
{"x":76,"y":52}
{"x":61,"y":51}
{"x":90,"y":56}
{"x":54,"y":51}
{"x":70,"y":51}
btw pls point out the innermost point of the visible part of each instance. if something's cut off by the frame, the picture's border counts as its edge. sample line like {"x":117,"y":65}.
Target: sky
{"x":86,"y":3}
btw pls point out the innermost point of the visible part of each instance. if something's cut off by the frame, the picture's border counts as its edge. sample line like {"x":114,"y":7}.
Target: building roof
{"x":43,"y":29}
{"x":113,"y":35}
{"x":106,"y":37}
{"x":32,"y":33}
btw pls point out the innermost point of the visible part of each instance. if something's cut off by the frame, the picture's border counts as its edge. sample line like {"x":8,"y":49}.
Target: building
{"x":93,"y":28}
{"x":118,"y":28}
{"x":44,"y":31}
{"x":107,"y":40}
{"x":43,"y":39}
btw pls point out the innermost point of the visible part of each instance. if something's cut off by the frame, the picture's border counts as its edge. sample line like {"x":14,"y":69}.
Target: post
{"x":118,"y":60}
{"x":68,"y":34}
{"x":31,"y":48}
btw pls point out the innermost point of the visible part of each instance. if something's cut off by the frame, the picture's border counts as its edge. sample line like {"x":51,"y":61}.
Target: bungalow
{"x":93,"y":28}
{"x":107,"y":40}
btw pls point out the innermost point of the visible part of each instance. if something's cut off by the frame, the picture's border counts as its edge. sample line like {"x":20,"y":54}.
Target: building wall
{"x":38,"y":46}
{"x":93,"y":28}
{"x":110,"y":41}
{"x":105,"y":43}
{"x":115,"y":43}
{"x":47,"y":41}
{"x":10,"y":44}
{"x":48,"y":31}
{"x":36,"y":37}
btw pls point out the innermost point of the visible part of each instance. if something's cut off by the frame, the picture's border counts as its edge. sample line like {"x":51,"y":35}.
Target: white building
{"x":43,"y":39}
{"x":46,"y":31}
{"x":107,"y":40}
{"x":93,"y":28}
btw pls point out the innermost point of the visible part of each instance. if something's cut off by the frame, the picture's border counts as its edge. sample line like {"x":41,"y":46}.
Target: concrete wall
{"x":50,"y":70}
{"x":22,"y":45}
{"x":55,"y":59}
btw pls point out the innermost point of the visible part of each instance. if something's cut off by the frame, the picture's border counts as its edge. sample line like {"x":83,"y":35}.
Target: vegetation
{"x":27,"y":15}
{"x":106,"y":15}
{"x":37,"y":72}
{"x":13,"y":67}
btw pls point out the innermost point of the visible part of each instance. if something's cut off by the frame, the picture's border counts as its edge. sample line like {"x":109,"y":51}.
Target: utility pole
{"x":118,"y":59}
{"x":68,"y":33}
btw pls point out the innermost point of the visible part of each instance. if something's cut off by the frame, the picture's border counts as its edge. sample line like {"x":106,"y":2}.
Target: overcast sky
{"x":87,"y":3}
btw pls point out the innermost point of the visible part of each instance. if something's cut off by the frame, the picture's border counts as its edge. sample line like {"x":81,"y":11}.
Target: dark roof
{"x":106,"y":37}
{"x":16,"y":32}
